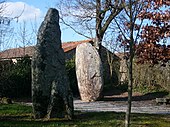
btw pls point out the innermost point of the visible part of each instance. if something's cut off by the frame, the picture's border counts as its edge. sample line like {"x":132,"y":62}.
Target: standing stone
{"x":89,"y":72}
{"x":51,"y":94}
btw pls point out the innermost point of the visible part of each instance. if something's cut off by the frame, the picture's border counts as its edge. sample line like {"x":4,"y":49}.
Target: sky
{"x":34,"y":11}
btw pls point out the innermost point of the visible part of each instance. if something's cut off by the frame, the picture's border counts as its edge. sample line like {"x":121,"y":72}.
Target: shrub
{"x":149,"y":78}
{"x":71,"y":72}
{"x":15,"y":78}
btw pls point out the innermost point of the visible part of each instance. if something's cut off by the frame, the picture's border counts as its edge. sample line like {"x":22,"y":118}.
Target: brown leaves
{"x":155,"y":16}
{"x":154,"y":4}
{"x":151,"y":36}
{"x":152,"y":53}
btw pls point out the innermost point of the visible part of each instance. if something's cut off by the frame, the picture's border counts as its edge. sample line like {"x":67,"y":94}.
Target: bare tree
{"x":6,"y":32}
{"x":4,"y":25}
{"x":6,"y":29}
{"x":130,"y":27}
{"x":89,"y":18}
{"x":24,"y":35}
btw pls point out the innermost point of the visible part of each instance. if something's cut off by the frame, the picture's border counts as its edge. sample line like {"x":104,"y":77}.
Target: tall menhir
{"x":51,"y":94}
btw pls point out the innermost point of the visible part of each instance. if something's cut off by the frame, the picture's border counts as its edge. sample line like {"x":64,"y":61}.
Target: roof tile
{"x":20,"y":52}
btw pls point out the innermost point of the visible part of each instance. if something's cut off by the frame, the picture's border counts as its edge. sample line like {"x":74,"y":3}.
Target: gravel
{"x":149,"y":107}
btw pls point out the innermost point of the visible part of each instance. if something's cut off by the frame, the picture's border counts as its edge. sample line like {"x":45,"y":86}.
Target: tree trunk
{"x":130,"y":84}
{"x":98,"y":44}
{"x":130,"y":68}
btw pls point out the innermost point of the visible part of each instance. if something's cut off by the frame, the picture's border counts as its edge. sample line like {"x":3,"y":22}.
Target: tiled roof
{"x":17,"y":52}
{"x":20,"y":52}
{"x":67,"y":46}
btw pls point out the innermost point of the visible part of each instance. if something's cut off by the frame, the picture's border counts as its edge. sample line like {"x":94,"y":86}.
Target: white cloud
{"x":14,"y":9}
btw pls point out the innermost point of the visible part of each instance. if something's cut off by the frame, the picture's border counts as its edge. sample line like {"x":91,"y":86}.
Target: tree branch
{"x":113,"y":14}
{"x":74,"y":29}
{"x":120,"y":29}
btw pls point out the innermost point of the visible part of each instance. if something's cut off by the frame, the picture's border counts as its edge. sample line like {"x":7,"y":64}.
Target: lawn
{"x":16,"y":115}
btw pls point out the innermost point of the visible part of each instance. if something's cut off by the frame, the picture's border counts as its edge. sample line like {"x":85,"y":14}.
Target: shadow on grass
{"x":78,"y":116}
{"x":82,"y":119}
{"x":14,"y":117}
{"x":17,"y":115}
{"x":88,"y":119}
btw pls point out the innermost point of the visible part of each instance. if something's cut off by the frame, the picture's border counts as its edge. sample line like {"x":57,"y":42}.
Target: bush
{"x":149,"y":78}
{"x":15,"y":78}
{"x":71,"y":72}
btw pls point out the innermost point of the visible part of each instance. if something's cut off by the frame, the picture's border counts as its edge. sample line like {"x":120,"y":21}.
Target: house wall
{"x":70,"y":54}
{"x":123,"y":71}
{"x":111,"y":66}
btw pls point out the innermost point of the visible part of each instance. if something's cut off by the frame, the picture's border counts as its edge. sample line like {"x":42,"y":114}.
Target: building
{"x":17,"y":53}
{"x":111,"y":70}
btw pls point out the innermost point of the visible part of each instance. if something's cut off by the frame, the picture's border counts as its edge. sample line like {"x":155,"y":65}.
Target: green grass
{"x":16,"y":115}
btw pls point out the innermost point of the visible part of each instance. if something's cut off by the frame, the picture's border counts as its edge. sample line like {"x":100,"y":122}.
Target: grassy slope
{"x":21,"y":116}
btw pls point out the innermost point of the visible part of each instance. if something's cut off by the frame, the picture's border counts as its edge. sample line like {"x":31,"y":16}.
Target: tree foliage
{"x":151,"y":78}
{"x":71,"y":72}
{"x":15,"y":79}
{"x":153,"y":47}
{"x":145,"y":42}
